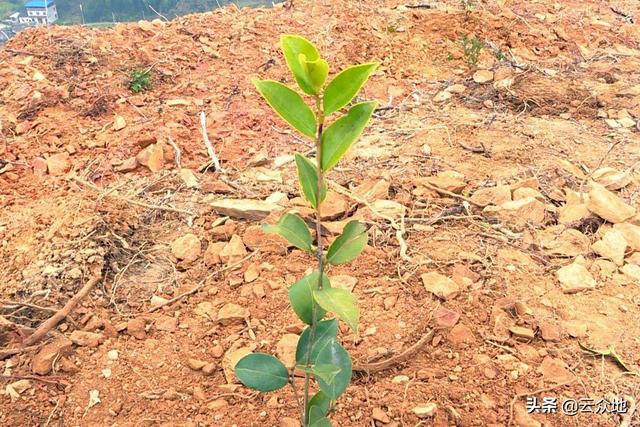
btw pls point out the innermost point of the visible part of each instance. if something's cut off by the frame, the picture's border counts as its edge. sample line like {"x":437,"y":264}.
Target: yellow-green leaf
{"x":294,"y":229}
{"x":308,"y":179}
{"x":342,"y":133}
{"x":289,"y":105}
{"x":301,"y":297}
{"x":345,"y":86}
{"x":292,"y":47}
{"x":341,"y":302}
{"x":349,"y":244}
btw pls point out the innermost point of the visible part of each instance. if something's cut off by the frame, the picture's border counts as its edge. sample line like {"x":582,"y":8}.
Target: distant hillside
{"x":70,"y":11}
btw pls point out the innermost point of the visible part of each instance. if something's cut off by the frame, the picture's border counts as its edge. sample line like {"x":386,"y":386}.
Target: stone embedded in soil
{"x":612,"y":246}
{"x":380,"y":416}
{"x":390,"y":302}
{"x":550,"y":331}
{"x":631,"y":234}
{"x":112,"y":355}
{"x":442,"y":96}
{"x":128,"y":165}
{"x":518,"y":212}
{"x":573,"y":213}
{"x":425,"y":410}
{"x":286,"y":349}
{"x":456,"y":88}
{"x":576,"y":328}
{"x":58,"y":164}
{"x":43,"y":360}
{"x":439,"y":285}
{"x":447,"y":180}
{"x":334,"y":206}
{"x":233,"y":251}
{"x":608,"y":205}
{"x":196,"y":364}
{"x":231,"y":313}
{"x":186,"y":248}
{"x":136,"y":328}
{"x":230,"y":360}
{"x":555,"y":370}
{"x":86,"y":339}
{"x":251,"y":273}
{"x":119,"y":123}
{"x":632,"y":271}
{"x":525,"y":192}
{"x":522,"y":418}
{"x":483,"y":76}
{"x":209,"y":368}
{"x":166,"y":323}
{"x":344,"y":281}
{"x":250,"y":209}
{"x":39,"y":166}
{"x":461,"y":335}
{"x":152,"y":157}
{"x":575,"y":277}
{"x":560,"y":241}
{"x":189,"y":178}
{"x":445,"y":318}
{"x":211,"y":256}
{"x":492,"y":195}
{"x":255,"y":238}
{"x":371,"y":189}
{"x":278,"y":198}
{"x":522,"y":332}
{"x":612,"y":179}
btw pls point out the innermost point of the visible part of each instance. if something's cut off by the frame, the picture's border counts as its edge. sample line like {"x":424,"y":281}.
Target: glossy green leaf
{"x":289,"y":105}
{"x":301,"y":297}
{"x":334,"y":354}
{"x":316,"y":71}
{"x":349,"y":244}
{"x":345,"y":86}
{"x":317,"y":418}
{"x":308,"y":179}
{"x":341,"y":302}
{"x":292,"y":47}
{"x":294,"y":229}
{"x":325,"y":372}
{"x":322,"y":401}
{"x":344,"y":132}
{"x":326,"y":331}
{"x":262,"y":372}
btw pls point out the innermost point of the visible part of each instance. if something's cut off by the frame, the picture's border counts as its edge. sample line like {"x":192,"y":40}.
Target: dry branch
{"x":51,"y":322}
{"x":370,"y":368}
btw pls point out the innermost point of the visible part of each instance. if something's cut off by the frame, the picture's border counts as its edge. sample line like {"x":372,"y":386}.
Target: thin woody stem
{"x":319,"y":254}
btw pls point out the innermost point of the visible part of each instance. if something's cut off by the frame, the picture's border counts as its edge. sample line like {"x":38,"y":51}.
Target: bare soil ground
{"x":91,"y":186}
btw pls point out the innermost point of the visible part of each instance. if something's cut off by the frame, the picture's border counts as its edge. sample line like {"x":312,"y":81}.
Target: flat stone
{"x":607,"y":205}
{"x":196,"y":364}
{"x":492,"y":195}
{"x":632,"y":271}
{"x":39,"y":166}
{"x":136,"y":328}
{"x":425,"y":410}
{"x":255,"y":238}
{"x":251,"y":273}
{"x":612,"y":246}
{"x":524,"y":192}
{"x":549,"y":331}
{"x":483,"y":76}
{"x":561,"y":241}
{"x":152,"y":157}
{"x":521,"y":332}
{"x":576,"y":328}
{"x":631,"y":234}
{"x":334,"y":206}
{"x":58,"y":164}
{"x":166,"y":323}
{"x":119,"y":123}
{"x":128,"y":165}
{"x":447,"y":180}
{"x":555,"y":370}
{"x":232,"y":313}
{"x":380,"y":416}
{"x":186,"y":248}
{"x":518,"y":212}
{"x":612,"y":179}
{"x":42,"y":362}
{"x":189,"y":178}
{"x":456,"y":88}
{"x":445,"y":318}
{"x":573,"y":214}
{"x":442,"y":96}
{"x":86,"y":339}
{"x":211,"y":256}
{"x":575,"y":278}
{"x":286,"y":349}
{"x":439,"y":285}
{"x":250,"y":209}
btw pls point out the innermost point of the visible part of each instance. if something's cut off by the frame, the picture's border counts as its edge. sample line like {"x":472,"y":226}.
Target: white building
{"x":39,"y":12}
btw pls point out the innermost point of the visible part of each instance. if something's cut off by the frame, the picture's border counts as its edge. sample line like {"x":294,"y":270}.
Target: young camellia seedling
{"x":319,"y":355}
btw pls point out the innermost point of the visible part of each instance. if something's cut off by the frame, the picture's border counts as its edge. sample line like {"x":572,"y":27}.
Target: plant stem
{"x":319,"y":253}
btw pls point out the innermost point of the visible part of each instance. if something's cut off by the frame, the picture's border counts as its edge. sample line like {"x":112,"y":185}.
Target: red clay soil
{"x":90,"y":185}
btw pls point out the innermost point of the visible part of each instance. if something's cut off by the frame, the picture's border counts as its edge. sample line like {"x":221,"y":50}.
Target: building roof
{"x":33,"y":4}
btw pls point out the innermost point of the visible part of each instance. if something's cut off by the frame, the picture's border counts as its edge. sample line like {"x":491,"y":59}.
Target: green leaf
{"x":322,"y":401}
{"x":345,"y":86}
{"x":322,"y":422}
{"x":309,"y":180}
{"x":335,"y":354}
{"x":289,"y":105}
{"x":294,"y":229}
{"x":349,"y":244}
{"x":262,"y":372}
{"x":317,"y":71}
{"x":301,"y":296}
{"x":342,"y":133}
{"x":326,"y":331}
{"x":292,"y":47}
{"x":326,"y":372}
{"x":341,"y":302}
{"x":317,"y":418}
